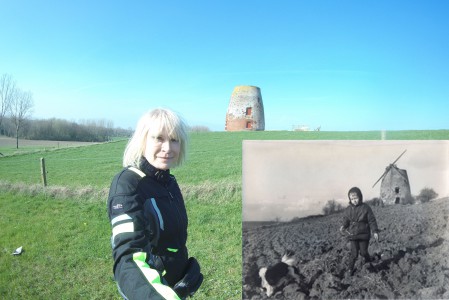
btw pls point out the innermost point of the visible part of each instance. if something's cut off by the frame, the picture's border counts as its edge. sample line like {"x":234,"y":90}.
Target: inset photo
{"x":345,"y":219}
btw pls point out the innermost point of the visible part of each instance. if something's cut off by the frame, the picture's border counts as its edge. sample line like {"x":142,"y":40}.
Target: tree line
{"x":62,"y":130}
{"x":16,"y":106}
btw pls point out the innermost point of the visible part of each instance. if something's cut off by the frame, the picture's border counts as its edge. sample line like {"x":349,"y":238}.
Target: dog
{"x":280,"y":274}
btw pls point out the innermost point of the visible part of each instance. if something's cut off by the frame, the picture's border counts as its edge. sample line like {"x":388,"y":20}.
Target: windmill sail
{"x":388,"y":168}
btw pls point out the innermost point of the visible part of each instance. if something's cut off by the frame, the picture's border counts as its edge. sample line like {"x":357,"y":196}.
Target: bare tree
{"x":21,"y":107}
{"x":7,"y":90}
{"x":332,"y":207}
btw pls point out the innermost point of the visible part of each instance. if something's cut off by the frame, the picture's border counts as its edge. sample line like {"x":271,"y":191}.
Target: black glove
{"x":191,"y":281}
{"x":155,"y":262}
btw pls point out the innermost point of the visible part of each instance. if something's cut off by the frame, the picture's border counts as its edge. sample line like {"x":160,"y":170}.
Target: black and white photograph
{"x":345,"y":219}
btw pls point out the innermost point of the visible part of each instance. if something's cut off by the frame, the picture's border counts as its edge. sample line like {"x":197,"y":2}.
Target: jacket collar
{"x":162,"y":176}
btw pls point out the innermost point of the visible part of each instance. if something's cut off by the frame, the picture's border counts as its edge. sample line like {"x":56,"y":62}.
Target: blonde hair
{"x":157,"y":120}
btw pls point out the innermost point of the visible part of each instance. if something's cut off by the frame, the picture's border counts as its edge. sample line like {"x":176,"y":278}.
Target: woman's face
{"x":354,"y":198}
{"x":161,"y":151}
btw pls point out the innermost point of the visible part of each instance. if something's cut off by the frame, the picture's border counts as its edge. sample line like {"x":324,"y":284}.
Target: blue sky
{"x":341,"y":65}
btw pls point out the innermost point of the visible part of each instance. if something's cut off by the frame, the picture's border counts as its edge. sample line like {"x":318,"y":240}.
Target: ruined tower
{"x":395,"y":186}
{"x":245,"y":110}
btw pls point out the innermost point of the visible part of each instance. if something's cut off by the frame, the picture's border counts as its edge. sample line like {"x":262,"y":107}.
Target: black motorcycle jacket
{"x":149,"y":232}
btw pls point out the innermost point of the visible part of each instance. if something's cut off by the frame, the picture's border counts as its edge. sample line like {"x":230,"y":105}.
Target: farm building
{"x":245,"y":110}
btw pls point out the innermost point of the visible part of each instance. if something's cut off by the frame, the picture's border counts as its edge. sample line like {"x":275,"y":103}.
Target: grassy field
{"x":64,"y":228}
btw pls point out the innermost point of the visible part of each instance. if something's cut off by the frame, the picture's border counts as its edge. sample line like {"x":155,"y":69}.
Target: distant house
{"x":301,"y":128}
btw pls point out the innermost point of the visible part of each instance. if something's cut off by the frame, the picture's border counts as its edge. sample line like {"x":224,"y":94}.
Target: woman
{"x":148,"y":216}
{"x":358,"y":222}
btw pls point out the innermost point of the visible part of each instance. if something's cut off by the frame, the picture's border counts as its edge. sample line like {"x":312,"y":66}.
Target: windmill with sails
{"x":395,"y":186}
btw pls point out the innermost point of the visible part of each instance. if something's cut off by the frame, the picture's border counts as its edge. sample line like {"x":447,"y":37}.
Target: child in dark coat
{"x":358,"y":223}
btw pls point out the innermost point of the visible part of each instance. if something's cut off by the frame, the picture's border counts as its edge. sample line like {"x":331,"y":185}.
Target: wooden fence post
{"x":43,"y":172}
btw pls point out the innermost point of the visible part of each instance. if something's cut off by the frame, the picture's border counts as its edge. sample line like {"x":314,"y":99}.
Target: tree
{"x":21,"y":107}
{"x":7,"y":91}
{"x":427,"y":194}
{"x":375,"y":202}
{"x":199,"y":128}
{"x":332,"y":207}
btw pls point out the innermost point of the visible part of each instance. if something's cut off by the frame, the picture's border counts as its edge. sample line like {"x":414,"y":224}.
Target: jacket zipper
{"x":175,"y":201}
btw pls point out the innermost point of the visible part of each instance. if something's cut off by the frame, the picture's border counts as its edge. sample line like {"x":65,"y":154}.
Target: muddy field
{"x":11,"y":142}
{"x":411,"y":260}
{"x":8,"y":145}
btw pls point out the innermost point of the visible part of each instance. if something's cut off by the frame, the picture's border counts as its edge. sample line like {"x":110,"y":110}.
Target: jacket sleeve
{"x":131,"y":231}
{"x":345,"y":220}
{"x":372,"y":219}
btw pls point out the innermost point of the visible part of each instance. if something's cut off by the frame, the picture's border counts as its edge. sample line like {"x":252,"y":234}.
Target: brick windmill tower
{"x":245,"y":110}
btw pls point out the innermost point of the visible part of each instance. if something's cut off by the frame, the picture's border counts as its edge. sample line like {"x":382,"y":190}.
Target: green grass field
{"x":64,"y":228}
